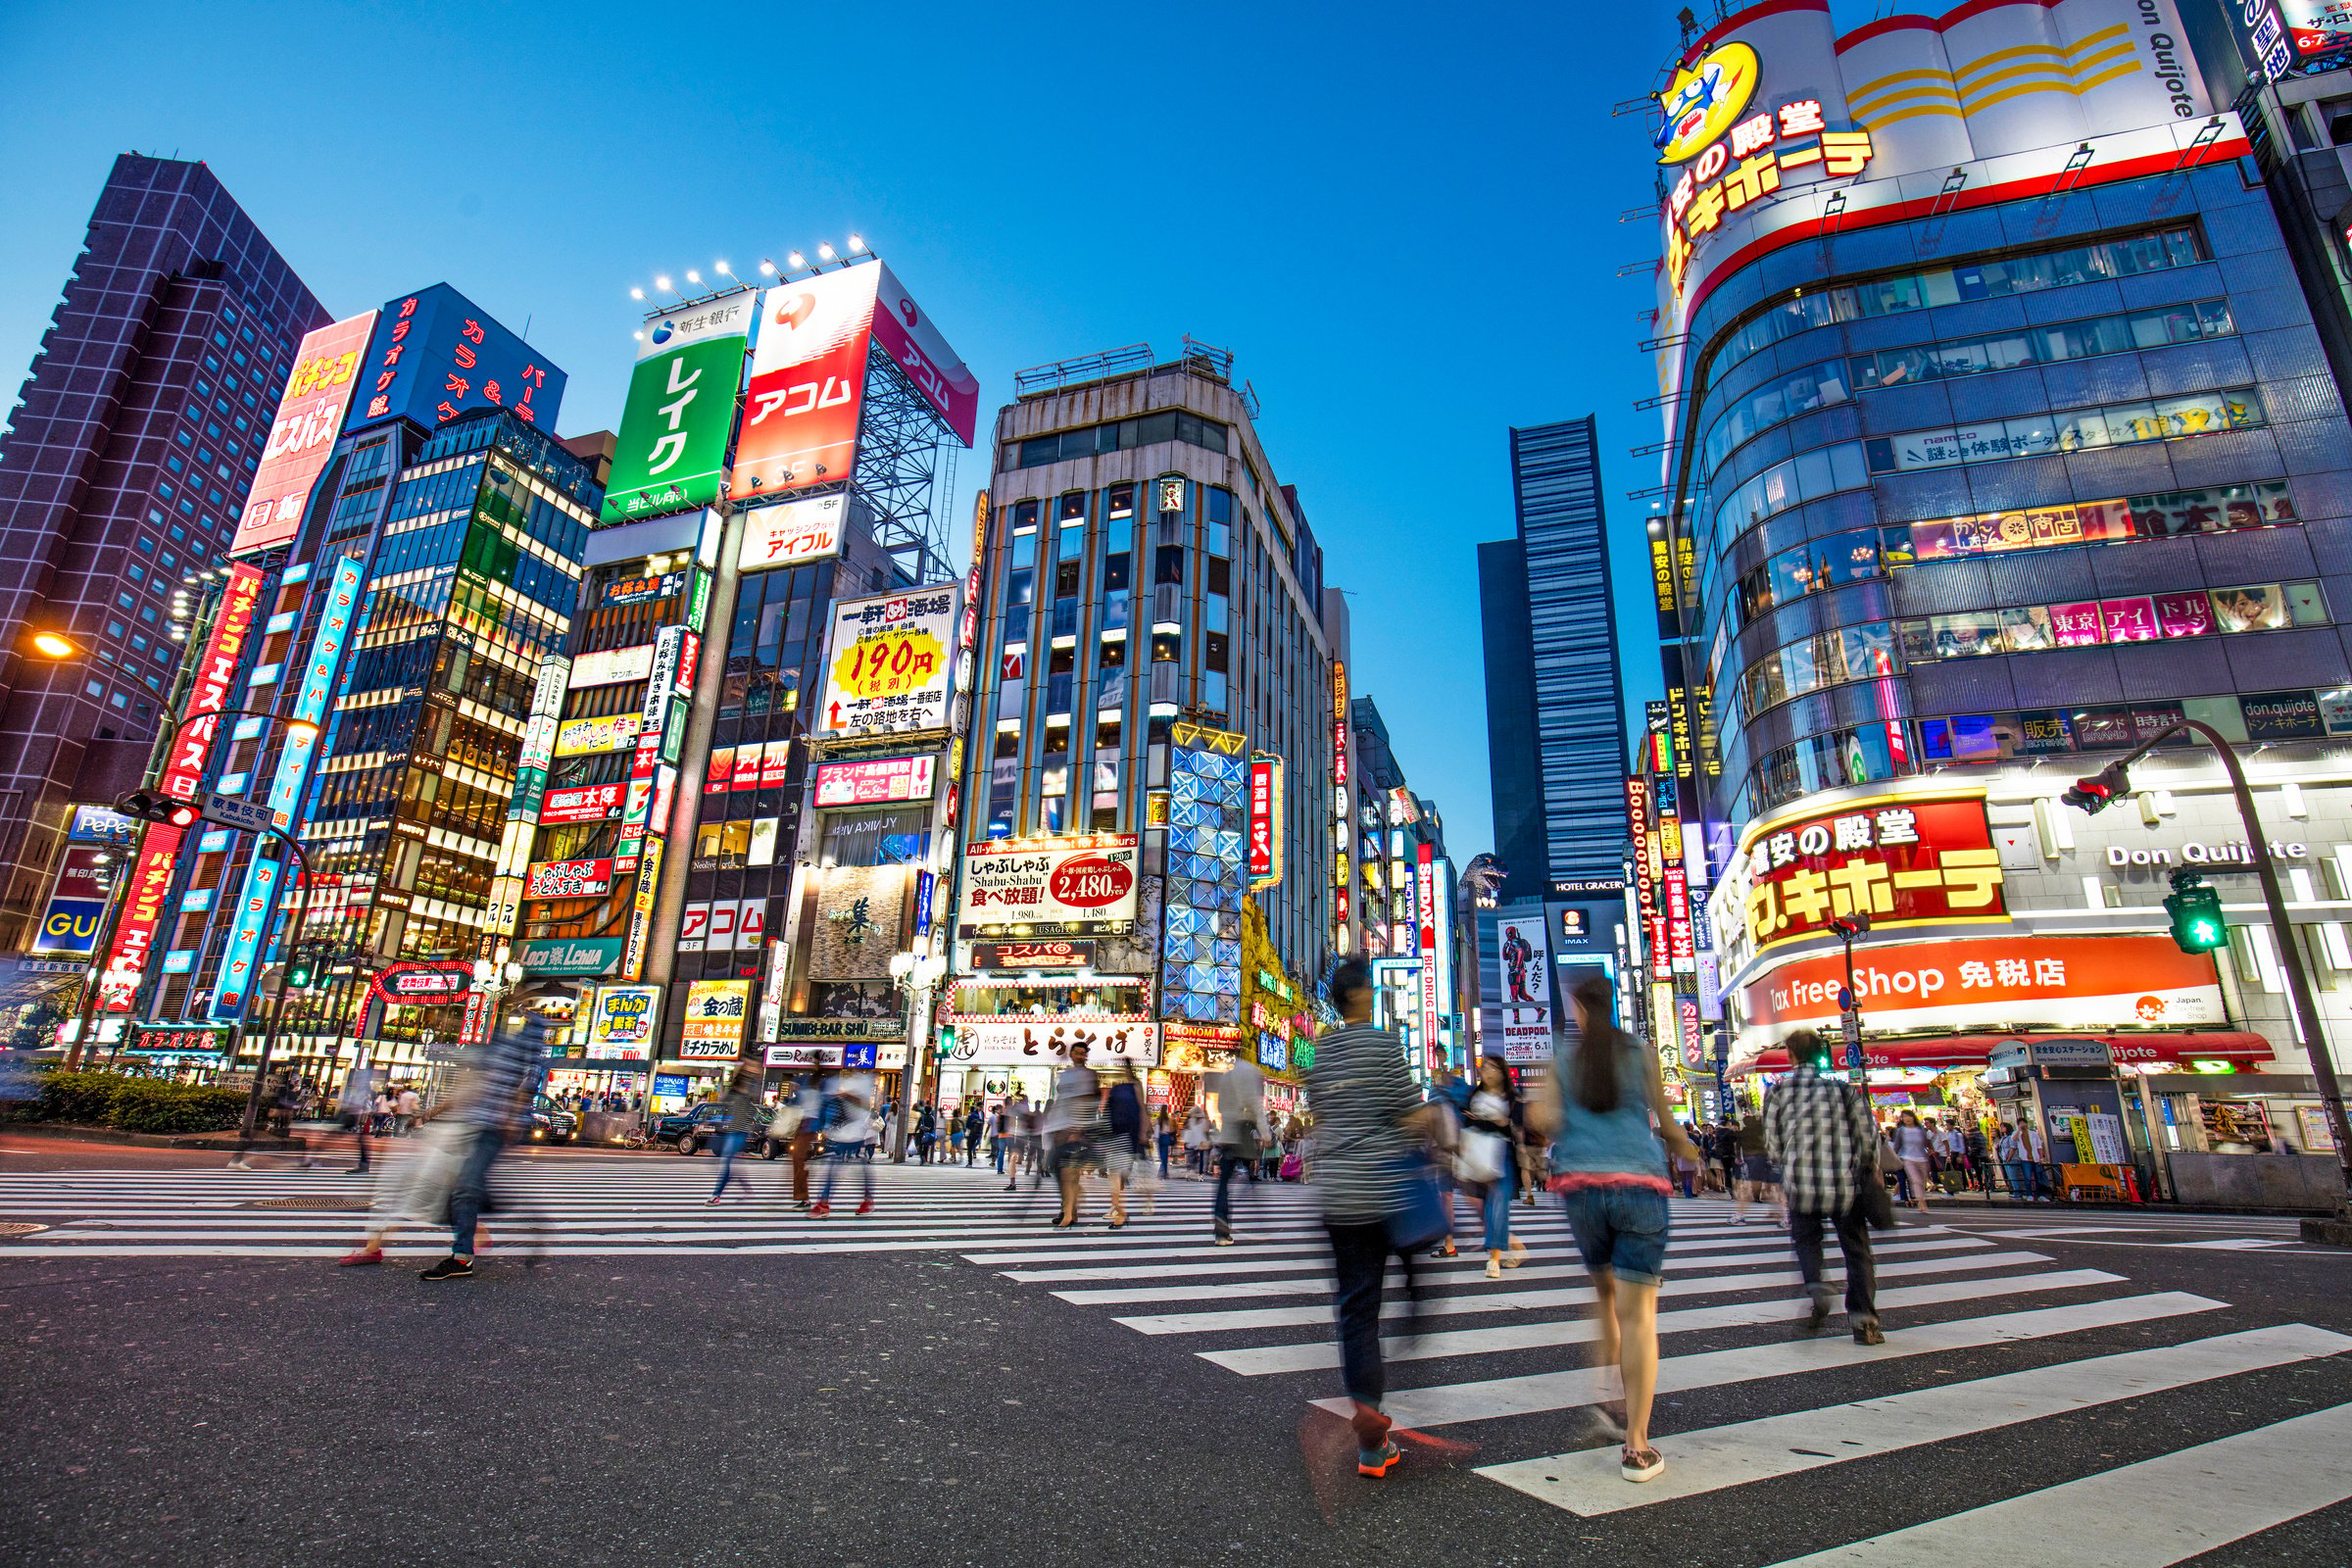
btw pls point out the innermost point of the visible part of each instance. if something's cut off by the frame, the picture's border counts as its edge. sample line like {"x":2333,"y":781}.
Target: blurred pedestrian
{"x":971,"y":1134}
{"x":1195,"y":1141}
{"x":495,"y":1102}
{"x":849,"y":1119}
{"x":1122,"y":1136}
{"x":1241,"y":1091}
{"x":1606,"y":1101}
{"x":1070,"y":1123}
{"x":1018,"y":1118}
{"x":800,"y":1116}
{"x":1368,"y":1122}
{"x":1163,"y":1133}
{"x":358,"y":1104}
{"x":1913,"y":1148}
{"x":1494,"y":1120}
{"x":926,"y":1130}
{"x":736,"y":1117}
{"x":1820,"y":1129}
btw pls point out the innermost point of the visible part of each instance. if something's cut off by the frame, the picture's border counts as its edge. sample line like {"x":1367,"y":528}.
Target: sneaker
{"x":1224,"y":1241}
{"x":1374,"y":1463}
{"x":819,"y":1210}
{"x":452,"y":1267}
{"x":867,"y":1207}
{"x":1867,"y":1333}
{"x":1644,"y":1464}
{"x":364,"y":1254}
{"x":1494,"y":1268}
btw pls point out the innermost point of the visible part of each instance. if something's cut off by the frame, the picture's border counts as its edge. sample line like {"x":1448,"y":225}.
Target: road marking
{"x":1451,"y":1403}
{"x":1279,"y":1317}
{"x":1588,"y":1483}
{"x":2147,"y":1515}
{"x":1265,"y":1361}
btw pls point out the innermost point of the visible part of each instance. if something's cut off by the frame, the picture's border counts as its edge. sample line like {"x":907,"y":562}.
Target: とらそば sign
{"x":886,"y":664}
{"x":1041,"y":1041}
{"x":1903,"y":859}
{"x":1080,"y":880}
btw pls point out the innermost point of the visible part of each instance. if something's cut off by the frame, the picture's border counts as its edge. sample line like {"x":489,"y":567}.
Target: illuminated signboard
{"x":1265,"y":821}
{"x":792,"y":533}
{"x":569,"y":879}
{"x":587,"y":803}
{"x":318,"y":675}
{"x":302,"y":435}
{"x":136,"y":925}
{"x":717,"y":1011}
{"x":436,"y":354}
{"x":216,"y":677}
{"x":876,"y":783}
{"x":886,"y":669}
{"x":1645,"y":874}
{"x":671,"y":451}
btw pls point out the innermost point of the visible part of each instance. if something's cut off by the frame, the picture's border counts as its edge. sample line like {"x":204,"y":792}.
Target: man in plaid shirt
{"x":1819,"y":1130}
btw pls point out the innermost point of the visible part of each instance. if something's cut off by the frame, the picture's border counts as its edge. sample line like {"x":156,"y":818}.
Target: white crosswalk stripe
{"x":1502,"y":1358}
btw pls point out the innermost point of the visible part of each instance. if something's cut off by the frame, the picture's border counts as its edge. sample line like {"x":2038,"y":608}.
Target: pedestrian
{"x":926,"y":1130}
{"x":735,"y":1126}
{"x":2033,"y":1152}
{"x":1914,"y":1148}
{"x":1980,"y":1154}
{"x":800,"y":1117}
{"x":1070,"y":1124}
{"x":1195,"y":1141}
{"x":992,"y":1136}
{"x":1016,"y":1137}
{"x":1163,"y":1133}
{"x":1122,"y":1139}
{"x":849,"y":1119}
{"x":1493,"y":1121}
{"x":1241,"y":1091}
{"x":1891,"y":1165}
{"x":1605,"y":1097}
{"x":491,"y":1109}
{"x":1820,"y":1129}
{"x":1725,"y":1150}
{"x":1758,"y":1181}
{"x":1686,"y":1171}
{"x":359,"y":1110}
{"x":1368,"y":1122}
{"x":971,"y":1135}
{"x":412,"y":1105}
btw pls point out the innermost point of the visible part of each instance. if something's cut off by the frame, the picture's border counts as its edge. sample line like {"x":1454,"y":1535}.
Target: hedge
{"x":137,"y":1104}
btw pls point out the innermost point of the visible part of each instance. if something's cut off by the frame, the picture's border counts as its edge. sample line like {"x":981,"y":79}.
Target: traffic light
{"x":153,"y":806}
{"x":2196,"y":913}
{"x":298,"y":975}
{"x":2099,"y":791}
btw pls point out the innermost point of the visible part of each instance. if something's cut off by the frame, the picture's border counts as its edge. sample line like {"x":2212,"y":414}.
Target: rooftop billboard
{"x":309,"y":415}
{"x":671,"y":452}
{"x":436,"y":354}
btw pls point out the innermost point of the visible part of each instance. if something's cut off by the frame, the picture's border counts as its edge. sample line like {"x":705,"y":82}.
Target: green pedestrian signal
{"x":298,"y":977}
{"x":2197,"y":914}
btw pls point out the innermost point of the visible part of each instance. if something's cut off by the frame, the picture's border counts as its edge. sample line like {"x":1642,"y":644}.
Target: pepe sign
{"x":1084,"y":879}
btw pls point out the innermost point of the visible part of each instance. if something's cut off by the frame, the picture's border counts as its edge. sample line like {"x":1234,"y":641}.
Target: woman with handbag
{"x":1488,"y":1157}
{"x":1609,"y":1166}
{"x":1378,"y":1193}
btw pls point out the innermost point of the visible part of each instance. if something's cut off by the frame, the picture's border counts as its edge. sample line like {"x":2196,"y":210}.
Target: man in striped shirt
{"x":1818,"y":1130}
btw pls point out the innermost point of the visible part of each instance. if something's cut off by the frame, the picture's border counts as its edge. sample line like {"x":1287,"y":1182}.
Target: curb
{"x":110,"y":1135}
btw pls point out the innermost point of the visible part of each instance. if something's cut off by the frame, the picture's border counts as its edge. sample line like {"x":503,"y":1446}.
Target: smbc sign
{"x":671,"y":452}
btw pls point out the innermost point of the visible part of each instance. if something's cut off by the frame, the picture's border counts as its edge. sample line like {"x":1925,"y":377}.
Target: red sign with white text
{"x":589,"y":803}
{"x":143,"y":911}
{"x":1261,"y":817}
{"x":1913,"y":860}
{"x":801,"y":404}
{"x":309,"y":415}
{"x":215,"y":678}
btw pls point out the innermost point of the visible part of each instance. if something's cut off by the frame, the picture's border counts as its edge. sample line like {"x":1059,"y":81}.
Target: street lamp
{"x":49,"y":644}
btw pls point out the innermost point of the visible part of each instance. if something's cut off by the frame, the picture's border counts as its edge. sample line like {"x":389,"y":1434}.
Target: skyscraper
{"x":1556,"y":717}
{"x":130,"y":453}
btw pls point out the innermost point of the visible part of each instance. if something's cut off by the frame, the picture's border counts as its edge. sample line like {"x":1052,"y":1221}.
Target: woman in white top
{"x":1911,"y":1148}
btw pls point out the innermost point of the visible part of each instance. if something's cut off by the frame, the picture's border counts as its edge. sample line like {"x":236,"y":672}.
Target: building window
{"x":1168,"y":565}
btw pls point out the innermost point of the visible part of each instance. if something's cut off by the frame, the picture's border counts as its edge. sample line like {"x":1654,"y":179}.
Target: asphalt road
{"x":191,"y":1380}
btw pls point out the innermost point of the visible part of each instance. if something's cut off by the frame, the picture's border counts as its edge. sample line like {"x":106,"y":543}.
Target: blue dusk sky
{"x":1404,"y":221}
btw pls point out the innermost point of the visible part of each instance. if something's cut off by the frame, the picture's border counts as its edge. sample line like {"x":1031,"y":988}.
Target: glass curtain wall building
{"x":1555,"y":705}
{"x":128,"y":454}
{"x":466,"y":544}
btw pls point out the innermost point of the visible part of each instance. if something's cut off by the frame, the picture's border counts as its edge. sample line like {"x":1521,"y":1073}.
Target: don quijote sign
{"x":1069,"y":881}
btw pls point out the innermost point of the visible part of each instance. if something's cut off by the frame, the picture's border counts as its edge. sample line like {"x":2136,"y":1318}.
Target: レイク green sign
{"x":672,"y":449}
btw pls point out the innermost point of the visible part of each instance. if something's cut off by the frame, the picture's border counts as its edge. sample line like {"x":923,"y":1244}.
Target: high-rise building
{"x":2002,"y":440}
{"x":124,"y":468}
{"x":1153,"y":723}
{"x":1407,"y":900}
{"x":1555,"y":705}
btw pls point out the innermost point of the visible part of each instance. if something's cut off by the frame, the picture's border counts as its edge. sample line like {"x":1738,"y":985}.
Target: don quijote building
{"x":1999,"y":437}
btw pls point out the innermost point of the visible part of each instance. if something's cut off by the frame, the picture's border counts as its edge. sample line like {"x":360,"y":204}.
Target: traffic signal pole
{"x":2290,"y":950}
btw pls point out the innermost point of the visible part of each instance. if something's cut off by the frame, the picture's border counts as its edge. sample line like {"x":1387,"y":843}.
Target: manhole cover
{"x":19,"y":1228}
{"x":332,"y":1205}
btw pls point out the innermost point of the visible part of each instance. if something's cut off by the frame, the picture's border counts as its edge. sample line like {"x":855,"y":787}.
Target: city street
{"x":634,"y":1372}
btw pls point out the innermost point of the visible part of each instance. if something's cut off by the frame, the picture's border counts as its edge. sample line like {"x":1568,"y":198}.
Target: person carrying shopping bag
{"x":1376,"y":1193}
{"x":1488,"y":1158}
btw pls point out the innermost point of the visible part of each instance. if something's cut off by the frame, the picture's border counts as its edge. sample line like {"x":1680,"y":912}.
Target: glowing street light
{"x":824,"y":252}
{"x":856,"y":245}
{"x":49,"y":644}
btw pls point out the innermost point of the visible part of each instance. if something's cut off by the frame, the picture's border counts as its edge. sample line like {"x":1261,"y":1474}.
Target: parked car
{"x":698,"y":1127}
{"x":551,"y":1123}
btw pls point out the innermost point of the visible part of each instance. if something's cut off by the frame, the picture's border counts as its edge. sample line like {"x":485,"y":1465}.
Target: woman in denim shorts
{"x":1610,"y":1170}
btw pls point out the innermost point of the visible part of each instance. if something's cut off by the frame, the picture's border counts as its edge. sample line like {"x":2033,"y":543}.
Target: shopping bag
{"x":1419,"y":1220}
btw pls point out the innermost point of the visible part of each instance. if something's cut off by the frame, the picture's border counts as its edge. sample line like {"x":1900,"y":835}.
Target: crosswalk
{"x":1988,"y":1331}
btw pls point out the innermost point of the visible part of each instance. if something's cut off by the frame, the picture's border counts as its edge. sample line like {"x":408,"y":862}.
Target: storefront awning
{"x":2134,"y":1051}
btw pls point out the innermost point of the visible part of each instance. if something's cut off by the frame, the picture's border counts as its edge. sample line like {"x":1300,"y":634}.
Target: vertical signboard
{"x":672,"y":449}
{"x":318,"y":685}
{"x":1265,"y":821}
{"x":254,"y":909}
{"x":1646,"y":883}
{"x":143,"y":911}
{"x":436,"y":354}
{"x":1425,"y":898}
{"x":641,"y":911}
{"x":216,"y":677}
{"x":801,"y":404}
{"x":660,"y":726}
{"x":309,"y":415}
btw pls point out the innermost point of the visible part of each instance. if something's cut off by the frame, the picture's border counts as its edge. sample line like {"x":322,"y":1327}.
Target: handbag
{"x":1872,"y":1198}
{"x":1481,"y":1157}
{"x":1419,"y":1221}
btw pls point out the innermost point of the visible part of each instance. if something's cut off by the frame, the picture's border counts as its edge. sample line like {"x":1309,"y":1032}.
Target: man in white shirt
{"x":2033,"y":1150}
